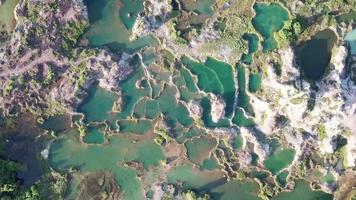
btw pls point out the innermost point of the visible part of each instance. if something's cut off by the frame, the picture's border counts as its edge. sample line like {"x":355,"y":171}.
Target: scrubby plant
{"x":321,"y":131}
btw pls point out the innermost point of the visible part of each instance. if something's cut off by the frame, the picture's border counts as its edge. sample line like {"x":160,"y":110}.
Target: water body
{"x":94,"y":136}
{"x":214,"y":183}
{"x":253,"y":41}
{"x":240,"y":119}
{"x":131,"y":93}
{"x":97,"y":107}
{"x":282,"y":178}
{"x":347,"y":17}
{"x":351,"y":40}
{"x":270,"y":18}
{"x":66,"y":153}
{"x":135,"y":126}
{"x":193,"y":178}
{"x":226,"y":76}
{"x":243,"y":100}
{"x":7,"y":17}
{"x":210,"y":164}
{"x":111,"y":23}
{"x":246,"y":190}
{"x":315,"y":55}
{"x":204,"y":7}
{"x":186,"y":84}
{"x":302,"y":191}
{"x":198,"y":149}
{"x":255,"y":81}
{"x":208,"y":80}
{"x":57,"y":123}
{"x":207,"y":117}
{"x":280,"y":159}
{"x":174,"y":112}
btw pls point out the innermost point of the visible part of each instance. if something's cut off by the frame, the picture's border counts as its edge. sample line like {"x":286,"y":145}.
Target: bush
{"x":321,"y":131}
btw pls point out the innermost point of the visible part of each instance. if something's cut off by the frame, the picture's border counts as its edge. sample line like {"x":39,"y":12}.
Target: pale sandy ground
{"x":330,"y":109}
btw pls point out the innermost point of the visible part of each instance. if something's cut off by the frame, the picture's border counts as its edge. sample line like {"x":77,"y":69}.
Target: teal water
{"x":253,"y":45}
{"x":225,"y":75}
{"x":174,"y":112}
{"x":302,"y":190}
{"x":94,"y":135}
{"x":204,"y":7}
{"x":255,"y":81}
{"x":315,"y":55}
{"x":97,"y":107}
{"x":351,"y":39}
{"x":246,"y":190}
{"x":66,"y":153}
{"x":208,"y":80}
{"x":280,"y":159}
{"x":182,"y":136}
{"x":193,"y":178}
{"x":135,"y":126}
{"x":240,"y":119}
{"x":270,"y":18}
{"x":282,"y":178}
{"x":214,"y":183}
{"x":131,"y":94}
{"x":198,"y":149}
{"x":57,"y":123}
{"x":347,"y":17}
{"x":207,"y":117}
{"x":216,"y":77}
{"x":243,"y":100}
{"x":111,"y":22}
{"x":210,"y":164}
{"x":186,"y":84}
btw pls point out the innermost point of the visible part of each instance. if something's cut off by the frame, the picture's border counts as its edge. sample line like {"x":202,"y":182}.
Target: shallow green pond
{"x":111,"y":23}
{"x":98,"y":105}
{"x":198,"y":149}
{"x":253,"y":41}
{"x":7,"y":17}
{"x":280,"y":159}
{"x":207,"y":117}
{"x":347,"y":17}
{"x":270,"y":18}
{"x":208,"y":80}
{"x":303,"y":191}
{"x":210,"y":164}
{"x":57,"y":123}
{"x":282,"y":178}
{"x":246,"y":190}
{"x":351,"y":39}
{"x":225,"y":75}
{"x":255,"y":81}
{"x":204,"y":7}
{"x":133,"y":89}
{"x":94,"y":136}
{"x":193,"y":178}
{"x":240,"y":119}
{"x":315,"y":55}
{"x":174,"y":112}
{"x":243,"y":100}
{"x":66,"y":152}
{"x":135,"y":126}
